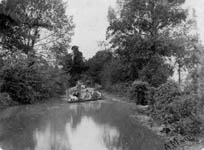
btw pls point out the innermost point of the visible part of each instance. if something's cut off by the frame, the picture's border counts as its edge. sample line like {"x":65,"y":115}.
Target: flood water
{"x":101,"y":125}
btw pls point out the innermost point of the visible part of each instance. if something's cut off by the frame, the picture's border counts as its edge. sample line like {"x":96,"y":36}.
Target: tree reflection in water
{"x":101,"y":125}
{"x":87,"y":135}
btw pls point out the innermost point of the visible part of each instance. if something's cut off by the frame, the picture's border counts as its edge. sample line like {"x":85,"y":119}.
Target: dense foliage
{"x":139,"y":32}
{"x":151,"y":40}
{"x":121,"y":89}
{"x":176,"y":109}
{"x":96,"y":65}
{"x":74,"y":65}
{"x":113,"y":72}
{"x":33,"y":39}
{"x":29,"y":84}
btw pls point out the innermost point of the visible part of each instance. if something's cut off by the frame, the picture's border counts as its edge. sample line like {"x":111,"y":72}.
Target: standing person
{"x":78,"y":86}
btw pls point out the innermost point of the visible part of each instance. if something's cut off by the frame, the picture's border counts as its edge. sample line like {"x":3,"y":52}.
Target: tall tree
{"x":140,"y":32}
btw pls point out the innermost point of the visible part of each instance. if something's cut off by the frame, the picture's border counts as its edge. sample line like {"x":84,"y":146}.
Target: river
{"x":99,"y":125}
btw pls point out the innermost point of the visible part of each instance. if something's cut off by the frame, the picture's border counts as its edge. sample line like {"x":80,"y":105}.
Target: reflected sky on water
{"x":87,"y":135}
{"x":87,"y":126}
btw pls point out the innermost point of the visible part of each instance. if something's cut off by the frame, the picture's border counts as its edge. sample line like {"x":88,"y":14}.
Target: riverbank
{"x":171,"y":142}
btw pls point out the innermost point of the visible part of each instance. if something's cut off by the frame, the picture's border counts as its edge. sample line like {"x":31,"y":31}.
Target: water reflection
{"x":87,"y":126}
{"x":86,"y":106}
{"x":92,"y":136}
{"x":50,"y":139}
{"x":88,"y":135}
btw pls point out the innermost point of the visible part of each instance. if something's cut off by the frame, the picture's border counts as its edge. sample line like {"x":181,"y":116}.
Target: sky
{"x":90,"y":18}
{"x":199,"y":8}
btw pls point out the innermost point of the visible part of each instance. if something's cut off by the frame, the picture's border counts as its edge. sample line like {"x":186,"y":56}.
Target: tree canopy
{"x":34,"y":34}
{"x":31,"y":26}
{"x":140,"y":32}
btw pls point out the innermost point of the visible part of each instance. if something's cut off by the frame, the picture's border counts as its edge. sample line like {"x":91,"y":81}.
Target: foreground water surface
{"x":100,"y":125}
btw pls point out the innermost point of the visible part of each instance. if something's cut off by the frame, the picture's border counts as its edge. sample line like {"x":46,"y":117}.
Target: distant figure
{"x":79,"y":87}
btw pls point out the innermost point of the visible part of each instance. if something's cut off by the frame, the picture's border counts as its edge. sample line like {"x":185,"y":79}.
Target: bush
{"x":139,"y":92}
{"x":162,"y":99}
{"x":188,"y":126}
{"x":54,"y":80}
{"x":165,"y":94}
{"x":27,"y":84}
{"x":177,"y":109}
{"x":122,"y":89}
{"x":150,"y":95}
{"x":184,"y":112}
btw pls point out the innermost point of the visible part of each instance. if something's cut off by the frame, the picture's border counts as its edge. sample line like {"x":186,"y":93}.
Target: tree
{"x":74,"y":65}
{"x":96,"y":64}
{"x":33,"y":19}
{"x":27,"y":84}
{"x":140,"y":31}
{"x":184,"y":47}
{"x":29,"y":29}
{"x":112,"y":72}
{"x":156,"y":72}
{"x":103,"y":45}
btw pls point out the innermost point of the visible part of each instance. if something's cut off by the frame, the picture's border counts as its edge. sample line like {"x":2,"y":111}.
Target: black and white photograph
{"x":101,"y":74}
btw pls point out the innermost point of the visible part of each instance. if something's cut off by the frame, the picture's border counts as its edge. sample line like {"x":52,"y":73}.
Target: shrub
{"x":165,"y":94}
{"x":150,"y":95}
{"x":177,"y":109}
{"x":188,"y":126}
{"x":54,"y":80}
{"x":27,"y":84}
{"x":122,"y":89}
{"x":139,"y":92}
{"x":185,"y":114}
{"x":162,"y":99}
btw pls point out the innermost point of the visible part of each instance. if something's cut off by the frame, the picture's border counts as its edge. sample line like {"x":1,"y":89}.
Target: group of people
{"x":81,"y":92}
